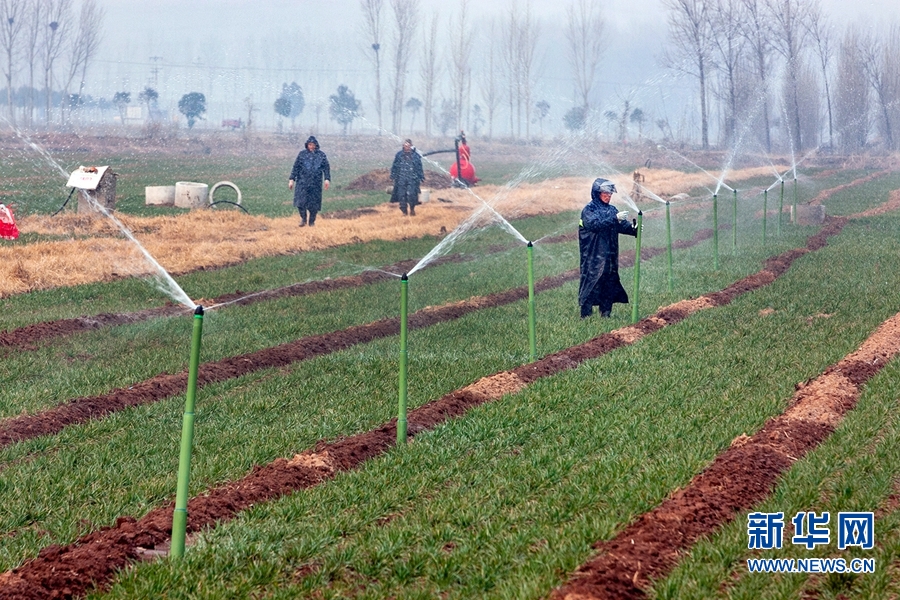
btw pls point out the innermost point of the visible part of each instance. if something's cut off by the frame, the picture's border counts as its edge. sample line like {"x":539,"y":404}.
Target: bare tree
{"x":851,"y":102}
{"x":83,"y":46}
{"x":879,"y":61}
{"x":55,"y":34}
{"x":690,"y":28}
{"x":529,"y":32}
{"x":511,"y":65}
{"x":490,"y":84}
{"x":35,"y":19}
{"x":461,"y":58}
{"x":429,"y":71}
{"x":821,"y":35}
{"x":789,"y":18}
{"x":809,"y":96}
{"x":586,"y":41}
{"x":406,"y":19}
{"x":12,"y":13}
{"x":728,"y":43}
{"x":757,"y":30}
{"x":520,"y":37}
{"x":372,"y":28}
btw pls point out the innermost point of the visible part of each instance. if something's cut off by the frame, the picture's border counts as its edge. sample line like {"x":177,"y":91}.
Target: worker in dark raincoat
{"x":310,"y":170}
{"x":598,"y":241}
{"x":407,"y":174}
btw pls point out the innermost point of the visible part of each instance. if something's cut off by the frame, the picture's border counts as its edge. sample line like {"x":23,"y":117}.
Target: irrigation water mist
{"x":163,"y":281}
{"x":686,"y":159}
{"x":356,"y":270}
{"x":486,"y":207}
{"x":450,"y":239}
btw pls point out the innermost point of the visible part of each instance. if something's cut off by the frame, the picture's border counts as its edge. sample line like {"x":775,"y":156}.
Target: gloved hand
{"x":634,"y":224}
{"x":622,"y":215}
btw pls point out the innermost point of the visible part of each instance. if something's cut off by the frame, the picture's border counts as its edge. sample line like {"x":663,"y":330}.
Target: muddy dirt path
{"x":68,"y":571}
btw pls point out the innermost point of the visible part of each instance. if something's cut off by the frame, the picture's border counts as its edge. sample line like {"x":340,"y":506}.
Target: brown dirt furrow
{"x":69,"y":571}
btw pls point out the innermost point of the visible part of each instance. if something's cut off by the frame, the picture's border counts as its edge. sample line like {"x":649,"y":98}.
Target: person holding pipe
{"x":311,"y":170}
{"x":598,"y":242}
{"x":407,"y":174}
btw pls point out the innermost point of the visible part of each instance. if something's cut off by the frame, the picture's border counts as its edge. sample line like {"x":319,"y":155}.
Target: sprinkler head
{"x":199,"y":310}
{"x":404,"y":277}
{"x":530,"y":244}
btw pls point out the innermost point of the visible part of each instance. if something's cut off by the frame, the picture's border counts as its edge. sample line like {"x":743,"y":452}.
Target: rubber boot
{"x":312,"y":217}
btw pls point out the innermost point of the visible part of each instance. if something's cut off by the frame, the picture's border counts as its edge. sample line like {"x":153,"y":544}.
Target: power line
{"x":213,"y":67}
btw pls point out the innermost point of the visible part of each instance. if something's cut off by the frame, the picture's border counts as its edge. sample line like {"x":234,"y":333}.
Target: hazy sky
{"x":232,"y":49}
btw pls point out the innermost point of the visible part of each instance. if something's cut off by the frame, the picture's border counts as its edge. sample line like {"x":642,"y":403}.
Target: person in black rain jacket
{"x":407,"y":174}
{"x":598,"y":242}
{"x":310,"y":170}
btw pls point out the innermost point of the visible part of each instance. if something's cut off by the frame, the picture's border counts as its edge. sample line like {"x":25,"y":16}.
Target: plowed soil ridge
{"x":71,"y":570}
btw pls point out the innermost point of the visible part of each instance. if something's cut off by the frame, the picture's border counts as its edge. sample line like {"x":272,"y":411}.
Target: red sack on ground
{"x":8,"y":229}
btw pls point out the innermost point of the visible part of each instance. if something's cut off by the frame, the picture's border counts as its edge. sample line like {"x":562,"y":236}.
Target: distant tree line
{"x":775,"y":73}
{"x":771,"y":71}
{"x":44,"y":44}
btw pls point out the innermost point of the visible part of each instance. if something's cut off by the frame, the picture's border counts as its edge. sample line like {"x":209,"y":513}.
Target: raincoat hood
{"x":602,"y":185}
{"x":313,"y":140}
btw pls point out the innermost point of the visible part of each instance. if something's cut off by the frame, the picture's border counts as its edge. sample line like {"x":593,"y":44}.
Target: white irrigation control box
{"x":86,"y":178}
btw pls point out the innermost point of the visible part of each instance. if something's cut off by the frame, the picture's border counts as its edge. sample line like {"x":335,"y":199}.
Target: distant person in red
{"x":464,"y":153}
{"x":466,"y":168}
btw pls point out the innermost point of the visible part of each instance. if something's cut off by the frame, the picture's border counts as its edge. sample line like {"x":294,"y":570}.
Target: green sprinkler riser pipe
{"x":532,"y":341}
{"x":179,"y":517}
{"x":669,"y":240}
{"x":734,"y":224}
{"x":716,"y":232}
{"x":404,"y":359}
{"x":795,"y":201}
{"x":637,"y":268}
{"x":780,"y":207}
{"x":765,"y":208}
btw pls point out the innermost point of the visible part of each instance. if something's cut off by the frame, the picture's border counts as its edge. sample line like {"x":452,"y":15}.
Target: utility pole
{"x":155,"y":71}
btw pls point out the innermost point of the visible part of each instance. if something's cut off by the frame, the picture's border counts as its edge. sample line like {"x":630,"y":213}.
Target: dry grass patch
{"x":97,"y":251}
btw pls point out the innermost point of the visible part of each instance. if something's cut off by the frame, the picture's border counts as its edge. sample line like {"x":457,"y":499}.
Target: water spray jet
{"x":179,"y":517}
